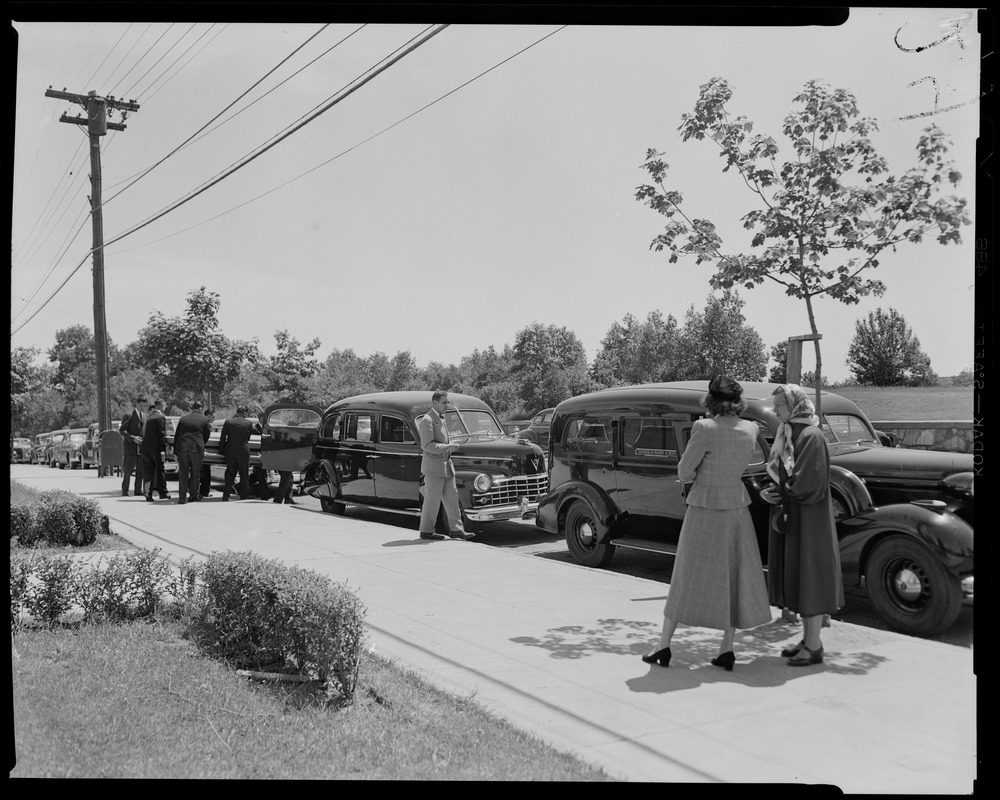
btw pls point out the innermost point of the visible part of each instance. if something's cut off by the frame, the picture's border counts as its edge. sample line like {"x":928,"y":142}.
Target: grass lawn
{"x":140,"y":701}
{"x":918,"y":403}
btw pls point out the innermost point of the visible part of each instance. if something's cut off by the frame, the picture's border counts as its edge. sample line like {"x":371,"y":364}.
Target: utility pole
{"x":97,"y":126}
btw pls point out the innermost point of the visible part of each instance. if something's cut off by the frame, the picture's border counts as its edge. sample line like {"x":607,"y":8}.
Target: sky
{"x":483,"y":182}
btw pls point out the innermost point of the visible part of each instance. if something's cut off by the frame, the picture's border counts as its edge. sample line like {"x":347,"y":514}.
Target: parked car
{"x":20,"y":450}
{"x":39,"y":448}
{"x":904,"y":517}
{"x":66,"y":452}
{"x":55,"y":438}
{"x":90,"y":453}
{"x":537,"y":430}
{"x":365,"y":451}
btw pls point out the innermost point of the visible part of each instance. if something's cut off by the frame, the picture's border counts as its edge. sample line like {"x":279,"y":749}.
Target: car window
{"x":547,"y":418}
{"x":847,"y":428}
{"x":393,"y":430}
{"x":588,"y":435}
{"x":648,"y":438}
{"x":475,"y":422}
{"x":330,"y":427}
{"x":358,"y":427}
{"x":293,"y":418}
{"x":78,"y":437}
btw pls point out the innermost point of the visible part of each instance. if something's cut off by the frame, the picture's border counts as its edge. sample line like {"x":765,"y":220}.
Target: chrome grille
{"x":510,"y":490}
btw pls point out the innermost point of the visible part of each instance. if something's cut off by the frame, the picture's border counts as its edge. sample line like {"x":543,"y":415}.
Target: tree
{"x":635,"y":352}
{"x":289,"y":370}
{"x":825,"y":216}
{"x":27,"y":381}
{"x":884,"y":352}
{"x":189,"y":353}
{"x":549,"y":365}
{"x":718,"y":340}
{"x":779,"y":372}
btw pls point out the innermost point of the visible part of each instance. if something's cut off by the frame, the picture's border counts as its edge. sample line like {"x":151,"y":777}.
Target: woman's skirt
{"x":718,"y":579}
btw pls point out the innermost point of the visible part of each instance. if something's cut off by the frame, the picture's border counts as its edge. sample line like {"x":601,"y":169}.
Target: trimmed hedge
{"x":58,"y":518}
{"x":263,"y":615}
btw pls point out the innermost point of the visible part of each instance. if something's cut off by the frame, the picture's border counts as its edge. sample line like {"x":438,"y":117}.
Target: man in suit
{"x":131,"y":431}
{"x":438,"y":473}
{"x":206,"y":469}
{"x":153,"y":450}
{"x":234,"y":443}
{"x":192,"y":433}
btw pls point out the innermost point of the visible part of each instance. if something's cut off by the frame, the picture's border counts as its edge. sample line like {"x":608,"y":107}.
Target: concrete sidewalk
{"x":554,"y":648}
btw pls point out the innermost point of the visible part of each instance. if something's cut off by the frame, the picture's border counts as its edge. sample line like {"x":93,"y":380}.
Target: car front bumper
{"x":521,"y":510}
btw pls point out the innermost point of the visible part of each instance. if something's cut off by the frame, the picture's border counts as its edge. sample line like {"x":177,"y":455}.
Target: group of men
{"x":145,"y":450}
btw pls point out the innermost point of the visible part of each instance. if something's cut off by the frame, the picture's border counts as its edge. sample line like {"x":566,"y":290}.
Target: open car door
{"x":288,"y":433}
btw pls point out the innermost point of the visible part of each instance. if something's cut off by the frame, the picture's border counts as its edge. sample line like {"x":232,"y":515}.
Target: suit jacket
{"x":192,"y":432}
{"x":715,"y":457}
{"x":154,"y":435}
{"x":131,"y":429}
{"x":436,"y":460}
{"x":235,"y":437}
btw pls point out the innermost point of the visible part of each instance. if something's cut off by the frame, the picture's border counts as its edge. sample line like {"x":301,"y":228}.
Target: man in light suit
{"x":192,"y":433}
{"x":131,"y":431}
{"x":438,"y":473}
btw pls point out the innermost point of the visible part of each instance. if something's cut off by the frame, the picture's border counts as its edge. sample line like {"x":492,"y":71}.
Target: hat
{"x":722,"y":387}
{"x":195,"y":405}
{"x":241,"y":409}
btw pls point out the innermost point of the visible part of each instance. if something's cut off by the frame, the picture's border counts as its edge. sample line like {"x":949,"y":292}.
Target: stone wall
{"x":951,"y":435}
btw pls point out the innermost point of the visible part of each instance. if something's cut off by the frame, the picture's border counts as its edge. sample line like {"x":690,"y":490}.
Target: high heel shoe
{"x":814,"y":657}
{"x":789,"y":652}
{"x":726,"y":660}
{"x":661,"y":657}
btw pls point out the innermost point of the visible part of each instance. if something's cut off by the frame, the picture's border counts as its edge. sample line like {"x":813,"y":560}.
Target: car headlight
{"x":482,"y":483}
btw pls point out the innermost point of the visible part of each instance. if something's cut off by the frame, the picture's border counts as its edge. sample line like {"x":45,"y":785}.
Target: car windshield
{"x":466,"y":422}
{"x":839,"y":428}
{"x":78,"y":437}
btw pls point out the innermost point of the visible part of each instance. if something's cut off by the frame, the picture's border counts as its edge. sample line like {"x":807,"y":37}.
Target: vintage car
{"x":365,"y":451}
{"x":904,"y":517}
{"x":55,"y":438}
{"x":537,"y":430}
{"x":90,"y":453}
{"x":66,"y":452}
{"x":39,"y":447}
{"x":20,"y":450}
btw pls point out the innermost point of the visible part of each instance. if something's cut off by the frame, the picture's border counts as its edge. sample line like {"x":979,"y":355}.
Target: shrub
{"x":124,"y":588}
{"x":20,"y":583}
{"x":87,"y":518}
{"x":23,"y":525}
{"x":264,"y":615}
{"x":52,"y":592}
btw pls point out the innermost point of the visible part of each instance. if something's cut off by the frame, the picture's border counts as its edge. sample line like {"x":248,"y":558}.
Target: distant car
{"x":20,"y":451}
{"x":904,"y":517}
{"x":90,"y":453}
{"x":39,"y":448}
{"x":67,"y":451}
{"x":365,"y":451}
{"x":538,"y":429}
{"x":55,"y":438}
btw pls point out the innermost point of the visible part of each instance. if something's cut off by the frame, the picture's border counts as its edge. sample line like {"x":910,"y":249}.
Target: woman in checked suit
{"x":718,"y":579}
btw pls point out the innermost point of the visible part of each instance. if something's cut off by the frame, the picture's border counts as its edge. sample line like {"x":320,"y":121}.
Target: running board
{"x":646,"y":545}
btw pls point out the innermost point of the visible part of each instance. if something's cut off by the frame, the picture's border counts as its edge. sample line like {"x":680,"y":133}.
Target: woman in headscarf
{"x":803,"y":570}
{"x":718,"y":579}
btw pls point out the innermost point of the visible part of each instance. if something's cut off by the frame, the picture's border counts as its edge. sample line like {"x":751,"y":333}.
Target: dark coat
{"x":192,"y":433}
{"x":131,"y":429}
{"x":154,"y":435}
{"x":235,"y":437}
{"x":803,"y":563}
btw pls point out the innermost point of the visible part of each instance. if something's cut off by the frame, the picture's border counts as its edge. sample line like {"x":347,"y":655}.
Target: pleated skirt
{"x":718,"y":579}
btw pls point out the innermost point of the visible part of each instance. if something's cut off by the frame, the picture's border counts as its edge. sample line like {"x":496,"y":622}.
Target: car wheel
{"x":70,"y":464}
{"x":331,"y":506}
{"x":582,"y":531}
{"x":910,"y":589}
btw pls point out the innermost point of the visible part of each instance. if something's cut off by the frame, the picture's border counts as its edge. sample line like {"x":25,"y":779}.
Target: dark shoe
{"x":164,"y":496}
{"x":138,"y":494}
{"x":789,"y":652}
{"x":124,"y":492}
{"x":181,"y":502}
{"x":433,"y":536}
{"x":225,"y":498}
{"x":661,"y":657}
{"x":195,"y":499}
{"x":206,"y":494}
{"x":461,"y":535}
{"x":814,"y":657}
{"x":290,"y":502}
{"x":726,"y":660}
{"x":149,"y":498}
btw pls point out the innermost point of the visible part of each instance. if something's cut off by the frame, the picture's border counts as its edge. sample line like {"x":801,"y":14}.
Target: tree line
{"x":181,"y":359}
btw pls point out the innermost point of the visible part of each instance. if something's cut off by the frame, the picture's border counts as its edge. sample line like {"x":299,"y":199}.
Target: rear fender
{"x":551,"y":515}
{"x":319,"y":479}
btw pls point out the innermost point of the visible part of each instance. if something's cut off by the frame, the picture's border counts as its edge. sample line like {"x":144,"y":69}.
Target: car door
{"x":288,"y":434}
{"x":648,"y":454}
{"x":397,"y":467}
{"x":545,"y":423}
{"x":356,"y":457}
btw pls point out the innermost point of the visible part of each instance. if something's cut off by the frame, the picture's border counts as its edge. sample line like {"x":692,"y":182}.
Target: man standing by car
{"x":234,"y":443}
{"x":131,"y":431}
{"x":193,"y":430}
{"x":438,"y":473}
{"x":153,"y":450}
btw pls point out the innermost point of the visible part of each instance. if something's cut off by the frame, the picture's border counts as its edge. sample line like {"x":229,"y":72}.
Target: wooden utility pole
{"x":97,"y":126}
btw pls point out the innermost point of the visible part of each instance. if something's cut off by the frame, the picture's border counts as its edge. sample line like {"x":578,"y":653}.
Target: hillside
{"x":921,"y":403}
